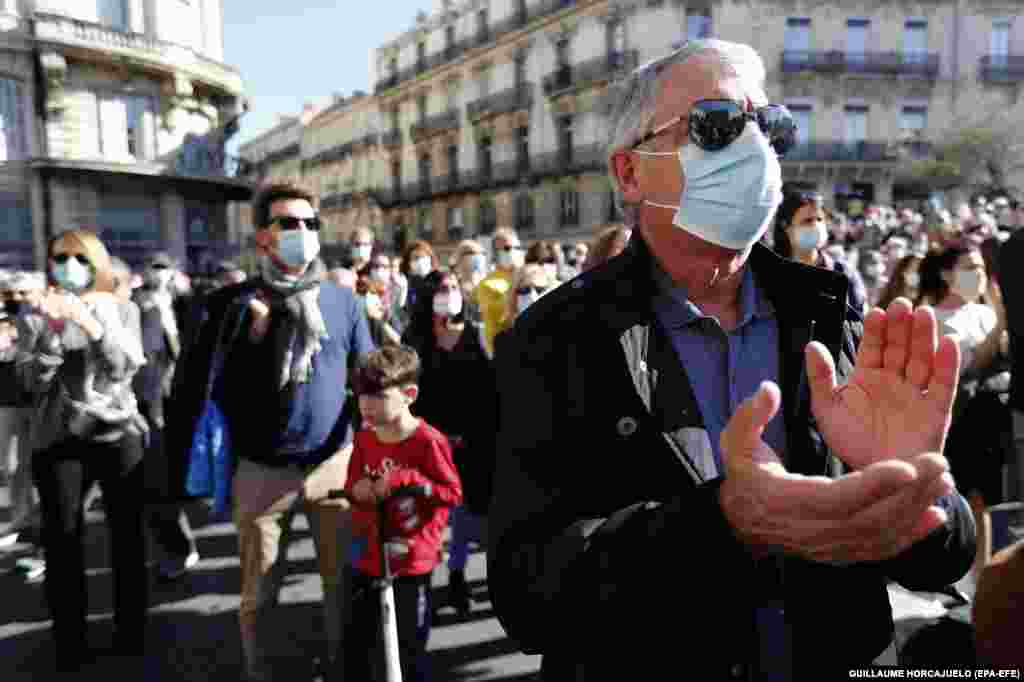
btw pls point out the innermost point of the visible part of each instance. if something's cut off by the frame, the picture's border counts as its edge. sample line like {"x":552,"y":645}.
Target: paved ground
{"x":193,"y":628}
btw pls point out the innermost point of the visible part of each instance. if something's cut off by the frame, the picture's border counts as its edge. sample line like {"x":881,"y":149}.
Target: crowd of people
{"x":404,"y":369}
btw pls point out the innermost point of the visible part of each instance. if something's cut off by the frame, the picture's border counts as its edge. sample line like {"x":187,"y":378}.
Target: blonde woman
{"x":77,"y":358}
{"x":529,"y":283}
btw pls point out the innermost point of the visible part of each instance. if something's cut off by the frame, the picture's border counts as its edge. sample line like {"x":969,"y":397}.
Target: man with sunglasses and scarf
{"x":689,"y":430}
{"x":289,"y":336}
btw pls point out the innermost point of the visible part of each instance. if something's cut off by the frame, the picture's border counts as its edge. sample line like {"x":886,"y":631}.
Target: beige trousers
{"x":265,"y":502}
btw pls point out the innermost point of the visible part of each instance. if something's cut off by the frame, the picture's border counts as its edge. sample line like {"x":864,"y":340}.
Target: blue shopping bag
{"x":210,"y":466}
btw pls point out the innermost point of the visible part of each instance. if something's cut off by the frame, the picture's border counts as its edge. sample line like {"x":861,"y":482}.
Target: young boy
{"x":395,"y":451}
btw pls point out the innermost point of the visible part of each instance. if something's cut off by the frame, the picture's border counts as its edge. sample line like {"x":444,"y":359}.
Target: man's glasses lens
{"x":715,"y":124}
{"x":62,"y":258}
{"x":509,"y":249}
{"x":291,"y":223}
{"x":524,"y":291}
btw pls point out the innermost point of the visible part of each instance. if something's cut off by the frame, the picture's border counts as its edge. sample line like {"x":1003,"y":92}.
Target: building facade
{"x":115,"y":115}
{"x":493,"y":113}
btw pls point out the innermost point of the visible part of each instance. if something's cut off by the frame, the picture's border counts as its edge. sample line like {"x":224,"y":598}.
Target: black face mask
{"x":13,"y":308}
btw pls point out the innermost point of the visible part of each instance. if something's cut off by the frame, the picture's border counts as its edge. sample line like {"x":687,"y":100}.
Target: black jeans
{"x":165,"y":509}
{"x":63,"y":473}
{"x":364,"y":653}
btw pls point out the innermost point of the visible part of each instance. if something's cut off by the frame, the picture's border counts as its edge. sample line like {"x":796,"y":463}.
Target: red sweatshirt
{"x":425,"y":457}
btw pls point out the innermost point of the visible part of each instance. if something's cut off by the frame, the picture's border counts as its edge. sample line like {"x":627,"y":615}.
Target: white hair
{"x":633,"y":111}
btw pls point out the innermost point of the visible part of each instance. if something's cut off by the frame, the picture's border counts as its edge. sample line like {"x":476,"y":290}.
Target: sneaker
{"x":175,"y":567}
{"x":8,"y":539}
{"x":31,"y":568}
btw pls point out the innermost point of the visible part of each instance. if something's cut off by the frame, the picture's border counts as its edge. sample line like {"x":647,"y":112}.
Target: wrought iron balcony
{"x":432,"y":125}
{"x":925,"y":64}
{"x":336,"y":200}
{"x":519,"y":20}
{"x":61,"y":31}
{"x":335,"y":153}
{"x":392,"y":138}
{"x":282,"y":154}
{"x":591,"y":72}
{"x":591,"y":158}
{"x":831,"y":151}
{"x":504,"y":102}
{"x":1002,"y":68}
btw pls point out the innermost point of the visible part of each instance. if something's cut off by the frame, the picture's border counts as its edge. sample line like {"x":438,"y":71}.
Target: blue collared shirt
{"x":724,"y":367}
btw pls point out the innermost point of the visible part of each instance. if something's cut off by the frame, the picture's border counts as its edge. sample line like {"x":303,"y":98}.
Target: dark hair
{"x":412,"y":247}
{"x":792,"y":201}
{"x":385,"y":367}
{"x":540,"y":251}
{"x":276,"y":192}
{"x":896,"y":283}
{"x":420,"y":331}
{"x":933,"y":287}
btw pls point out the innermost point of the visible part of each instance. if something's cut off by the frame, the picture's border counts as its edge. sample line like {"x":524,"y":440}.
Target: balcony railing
{"x":924,"y":64}
{"x":61,"y":30}
{"x":432,"y":125}
{"x":519,"y":20}
{"x":591,"y":72}
{"x":392,"y":138}
{"x":568,"y":161}
{"x":335,"y":153}
{"x":282,"y":154}
{"x":504,"y":102}
{"x":1002,"y":68}
{"x":861,"y":152}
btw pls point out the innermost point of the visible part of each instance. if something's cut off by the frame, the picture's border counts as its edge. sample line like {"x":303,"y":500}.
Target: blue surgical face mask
{"x":730,"y":196}
{"x":478,"y":262}
{"x":72,"y":275}
{"x":362,"y":252}
{"x":298,"y":248}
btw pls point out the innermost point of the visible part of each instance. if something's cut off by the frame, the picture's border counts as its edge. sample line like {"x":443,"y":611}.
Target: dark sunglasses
{"x":524,"y":291}
{"x":62,"y":258}
{"x":714,"y":124}
{"x":291,"y":223}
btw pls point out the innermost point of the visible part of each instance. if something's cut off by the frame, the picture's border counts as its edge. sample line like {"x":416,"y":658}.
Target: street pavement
{"x":193,"y":631}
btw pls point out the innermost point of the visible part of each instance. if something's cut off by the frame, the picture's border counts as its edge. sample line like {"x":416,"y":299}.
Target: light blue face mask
{"x":298,"y":248}
{"x":72,"y":275}
{"x":730,"y":196}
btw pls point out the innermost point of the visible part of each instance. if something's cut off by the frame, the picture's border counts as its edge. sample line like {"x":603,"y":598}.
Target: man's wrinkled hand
{"x":898,"y":402}
{"x":868,"y":515}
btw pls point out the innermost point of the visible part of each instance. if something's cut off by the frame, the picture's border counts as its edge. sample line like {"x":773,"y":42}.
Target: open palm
{"x":898,"y":402}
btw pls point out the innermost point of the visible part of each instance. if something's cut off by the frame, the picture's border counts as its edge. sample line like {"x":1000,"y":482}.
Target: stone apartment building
{"x":115,"y":114}
{"x":492,"y":113}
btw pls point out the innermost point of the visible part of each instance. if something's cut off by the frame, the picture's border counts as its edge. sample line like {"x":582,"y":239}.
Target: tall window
{"x":857,"y":40}
{"x":524,"y":212}
{"x":482,"y":28}
{"x":396,"y":174}
{"x":453,"y":161}
{"x":913,"y":123}
{"x":484,"y":79}
{"x":523,"y":149}
{"x":421,"y":108}
{"x":915,"y":41}
{"x":798,"y":39}
{"x":426,"y":170}
{"x":124,"y":129}
{"x":698,"y":23}
{"x":488,"y":216}
{"x":12,"y":121}
{"x":113,"y":13}
{"x":421,"y":55}
{"x":562,"y":53}
{"x":485,"y":157}
{"x":616,"y":42}
{"x":570,"y":205}
{"x":856,"y":124}
{"x":565,"y":138}
{"x":521,"y":9}
{"x":426,"y":225}
{"x":449,"y":37}
{"x":802,"y":118}
{"x":520,"y":65}
{"x":15,"y":220}
{"x":1000,"y":42}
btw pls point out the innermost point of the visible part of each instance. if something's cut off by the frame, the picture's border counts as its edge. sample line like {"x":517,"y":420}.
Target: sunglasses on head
{"x":292,"y":223}
{"x":714,"y":124}
{"x":62,"y":258}
{"x":525,"y":291}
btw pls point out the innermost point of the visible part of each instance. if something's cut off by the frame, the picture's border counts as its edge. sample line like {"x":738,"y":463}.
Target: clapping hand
{"x":888,"y":424}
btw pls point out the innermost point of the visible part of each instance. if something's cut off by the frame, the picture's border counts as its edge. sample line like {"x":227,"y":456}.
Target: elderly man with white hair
{"x":690,"y":432}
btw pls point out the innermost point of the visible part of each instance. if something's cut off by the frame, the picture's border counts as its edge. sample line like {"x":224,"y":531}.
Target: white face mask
{"x":511,"y":259}
{"x":810,"y":237}
{"x":968,"y":284}
{"x":298,"y":248}
{"x":912,"y":280}
{"x":382,"y":275}
{"x":72,"y":275}
{"x":730,"y":196}
{"x":159,"y":278}
{"x":362,"y":252}
{"x":421,"y":266}
{"x":372,"y":300}
{"x":449,"y":304}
